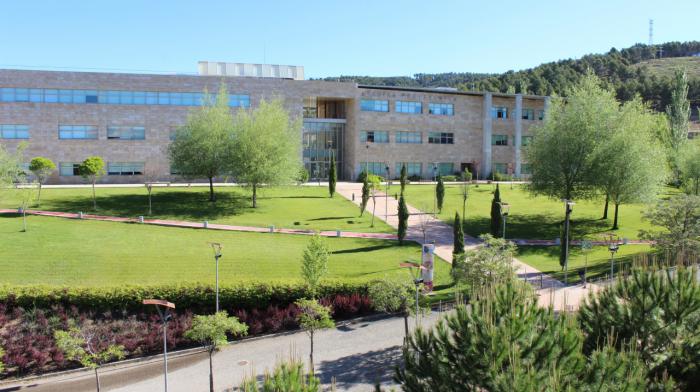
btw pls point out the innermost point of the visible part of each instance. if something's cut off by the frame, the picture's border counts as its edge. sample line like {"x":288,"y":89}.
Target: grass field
{"x":665,"y":67}
{"x":61,"y":251}
{"x":530,"y":217}
{"x":308,"y":206}
{"x":546,"y":259}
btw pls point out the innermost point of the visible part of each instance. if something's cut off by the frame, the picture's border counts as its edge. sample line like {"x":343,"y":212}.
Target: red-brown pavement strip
{"x":200,"y":225}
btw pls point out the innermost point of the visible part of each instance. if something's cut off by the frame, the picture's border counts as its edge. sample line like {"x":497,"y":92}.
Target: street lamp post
{"x":386,"y":193}
{"x":417,"y":281}
{"x":585,"y":247}
{"x":434,"y":193}
{"x":217,"y":255}
{"x":165,"y":316}
{"x":613,"y":243}
{"x":504,"y":208}
{"x":367,"y":159}
{"x":567,"y":222}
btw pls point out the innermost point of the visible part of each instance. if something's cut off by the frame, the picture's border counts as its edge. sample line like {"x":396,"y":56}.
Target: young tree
{"x":314,"y":263}
{"x":42,"y":168}
{"x":313,"y":317}
{"x":332,"y":178}
{"x":374,"y":182}
{"x":26,"y":192}
{"x":86,"y":346}
{"x":10,"y":165}
{"x":211,"y":331}
{"x":458,"y":234}
{"x":496,"y":218}
{"x":202,"y":148}
{"x":627,"y":164}
{"x":689,"y":164}
{"x":403,"y":219}
{"x":492,"y":262}
{"x":365,"y":193}
{"x":390,"y":296}
{"x":466,"y":179}
{"x":287,"y":376}
{"x":92,"y":169}
{"x":439,"y":193}
{"x":403,"y":178}
{"x":679,"y":217}
{"x":302,"y":176}
{"x":679,"y":120}
{"x":654,"y":312}
{"x":266,"y":148}
{"x":2,"y":354}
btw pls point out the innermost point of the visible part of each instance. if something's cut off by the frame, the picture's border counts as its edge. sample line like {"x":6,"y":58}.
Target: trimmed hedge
{"x":197,"y":298}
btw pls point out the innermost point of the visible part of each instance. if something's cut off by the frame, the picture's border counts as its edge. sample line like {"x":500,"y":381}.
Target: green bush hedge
{"x":198,"y":298}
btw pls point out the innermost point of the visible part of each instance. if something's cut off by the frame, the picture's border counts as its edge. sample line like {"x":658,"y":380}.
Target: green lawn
{"x":546,"y":259}
{"x":61,"y":251}
{"x":304,"y":207}
{"x":530,"y":217}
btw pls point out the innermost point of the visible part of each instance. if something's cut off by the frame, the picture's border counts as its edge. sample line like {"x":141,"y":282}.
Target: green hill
{"x":665,"y":67}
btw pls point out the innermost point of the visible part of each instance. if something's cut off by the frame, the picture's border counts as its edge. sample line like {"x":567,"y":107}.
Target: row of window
{"x":113,"y":168}
{"x":18,"y":131}
{"x":412,"y":168}
{"x":112,"y":97}
{"x":501,"y":112}
{"x":406,"y":137}
{"x":14,"y":131}
{"x":409,"y":107}
{"x":502,"y":140}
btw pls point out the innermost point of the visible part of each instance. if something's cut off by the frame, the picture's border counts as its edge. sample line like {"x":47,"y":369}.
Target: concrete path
{"x":355,"y":354}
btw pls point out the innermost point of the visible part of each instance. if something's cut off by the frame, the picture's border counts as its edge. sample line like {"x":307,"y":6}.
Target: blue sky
{"x":330,"y":38}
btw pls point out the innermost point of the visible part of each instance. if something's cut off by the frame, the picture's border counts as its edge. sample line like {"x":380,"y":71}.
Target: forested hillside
{"x":630,"y":71}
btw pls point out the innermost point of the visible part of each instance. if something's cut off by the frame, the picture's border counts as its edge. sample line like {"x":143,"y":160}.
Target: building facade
{"x":129,"y":120}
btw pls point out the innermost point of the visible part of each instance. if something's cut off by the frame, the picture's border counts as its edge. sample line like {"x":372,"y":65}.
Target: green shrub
{"x":502,"y":177}
{"x":414,"y":177}
{"x":449,"y":178}
{"x":361,"y":177}
{"x":197,"y":298}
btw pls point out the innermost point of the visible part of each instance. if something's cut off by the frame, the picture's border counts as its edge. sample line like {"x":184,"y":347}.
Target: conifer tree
{"x":365,"y":193}
{"x":404,"y":177}
{"x":332,"y":177}
{"x":439,"y":192}
{"x":403,"y":219}
{"x":496,"y":218}
{"x":458,"y":237}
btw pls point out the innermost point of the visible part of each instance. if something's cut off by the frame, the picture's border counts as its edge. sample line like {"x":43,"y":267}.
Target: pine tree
{"x":439,"y":192}
{"x":458,"y":237}
{"x":332,"y":177}
{"x":404,"y":177}
{"x":679,"y":120}
{"x":403,"y":219}
{"x":496,"y":218}
{"x":365,"y":193}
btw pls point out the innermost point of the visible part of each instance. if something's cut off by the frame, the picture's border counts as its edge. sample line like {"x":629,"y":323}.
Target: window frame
{"x":499,"y":140}
{"x":432,"y":106}
{"x":441,"y":137}
{"x":408,"y":107}
{"x":377,"y":105}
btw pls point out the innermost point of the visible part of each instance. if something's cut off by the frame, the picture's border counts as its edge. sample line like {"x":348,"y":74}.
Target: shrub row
{"x":196,"y":298}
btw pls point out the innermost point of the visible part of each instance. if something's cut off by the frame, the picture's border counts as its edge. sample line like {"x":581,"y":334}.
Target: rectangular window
{"x":446,"y":168}
{"x":14,"y":131}
{"x":378,"y":168}
{"x":412,"y":169}
{"x":525,"y":168}
{"x":525,"y":141}
{"x":77,"y":132}
{"x":440,"y":138}
{"x":242,"y":101}
{"x":540,"y":115}
{"x":69,"y":169}
{"x":500,"y":168}
{"x":441,"y":109}
{"x":374,"y":137}
{"x":528,"y":114}
{"x":410,"y":107}
{"x":373,"y":105}
{"x":500,"y":112}
{"x":126,"y":133}
{"x":409,"y":137}
{"x":125,"y":168}
{"x":499,"y":140}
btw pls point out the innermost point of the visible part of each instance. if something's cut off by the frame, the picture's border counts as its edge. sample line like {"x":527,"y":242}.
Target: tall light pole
{"x":165,"y":316}
{"x":586,"y":246}
{"x":217,"y":255}
{"x":434,"y":193}
{"x":504,"y":208}
{"x":613,"y":243}
{"x":569,"y":208}
{"x":367,"y":159}
{"x":417,"y":280}
{"x":386,"y":193}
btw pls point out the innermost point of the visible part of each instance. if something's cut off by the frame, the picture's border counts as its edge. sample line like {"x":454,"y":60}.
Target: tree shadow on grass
{"x":330,"y":218}
{"x":364,"y":249}
{"x":166,"y":204}
{"x":365,"y":368}
{"x":539,"y":226}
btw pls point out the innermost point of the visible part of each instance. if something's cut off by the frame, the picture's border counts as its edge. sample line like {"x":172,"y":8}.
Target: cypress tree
{"x":458,"y":237}
{"x":440,"y":192}
{"x":365,"y":193}
{"x":332,"y":177}
{"x":403,"y":219}
{"x":496,"y":219}
{"x":404,"y":177}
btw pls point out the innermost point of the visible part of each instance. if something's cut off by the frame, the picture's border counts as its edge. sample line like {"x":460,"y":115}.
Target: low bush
{"x":449,"y":178}
{"x":502,"y":177}
{"x":414,"y":177}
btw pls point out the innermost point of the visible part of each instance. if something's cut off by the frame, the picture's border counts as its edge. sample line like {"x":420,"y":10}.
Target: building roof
{"x":446,"y":91}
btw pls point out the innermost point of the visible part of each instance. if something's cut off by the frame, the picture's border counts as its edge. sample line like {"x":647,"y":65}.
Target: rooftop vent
{"x":211,"y":68}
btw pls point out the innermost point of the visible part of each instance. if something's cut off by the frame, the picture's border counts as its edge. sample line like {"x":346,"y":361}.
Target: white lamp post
{"x":165,"y":316}
{"x":217,"y":255}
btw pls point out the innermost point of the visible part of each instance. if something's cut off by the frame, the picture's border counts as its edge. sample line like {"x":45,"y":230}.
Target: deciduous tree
{"x":679,"y":216}
{"x":266,"y":147}
{"x":92,"y":169}
{"x":679,"y":120}
{"x":690,"y":167}
{"x":492,"y":262}
{"x":391,"y":296}
{"x":42,"y":168}
{"x":312,"y":318}
{"x":212,"y":331}
{"x":314,"y":263}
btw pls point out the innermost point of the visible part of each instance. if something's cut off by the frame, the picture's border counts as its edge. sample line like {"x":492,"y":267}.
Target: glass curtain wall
{"x":321,"y":139}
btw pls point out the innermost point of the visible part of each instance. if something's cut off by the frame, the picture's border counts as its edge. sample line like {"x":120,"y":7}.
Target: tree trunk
{"x":605,"y":210}
{"x":97,"y":380}
{"x":617,"y":206}
{"x":464,"y":209}
{"x":38,"y":197}
{"x":405,"y":322}
{"x":374,"y":208}
{"x":255,"y":196}
{"x":94,"y":198}
{"x":150,"y":205}
{"x":211,"y":373}
{"x":24,"y":218}
{"x":211,"y":189}
{"x":311,"y":353}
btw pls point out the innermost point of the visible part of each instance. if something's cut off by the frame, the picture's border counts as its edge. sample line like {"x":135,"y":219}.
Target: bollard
{"x":19,"y":210}
{"x":272,"y":228}
{"x":353,"y":196}
{"x":541,"y":280}
{"x":206,"y":224}
{"x":337,"y":233}
{"x":140,"y":218}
